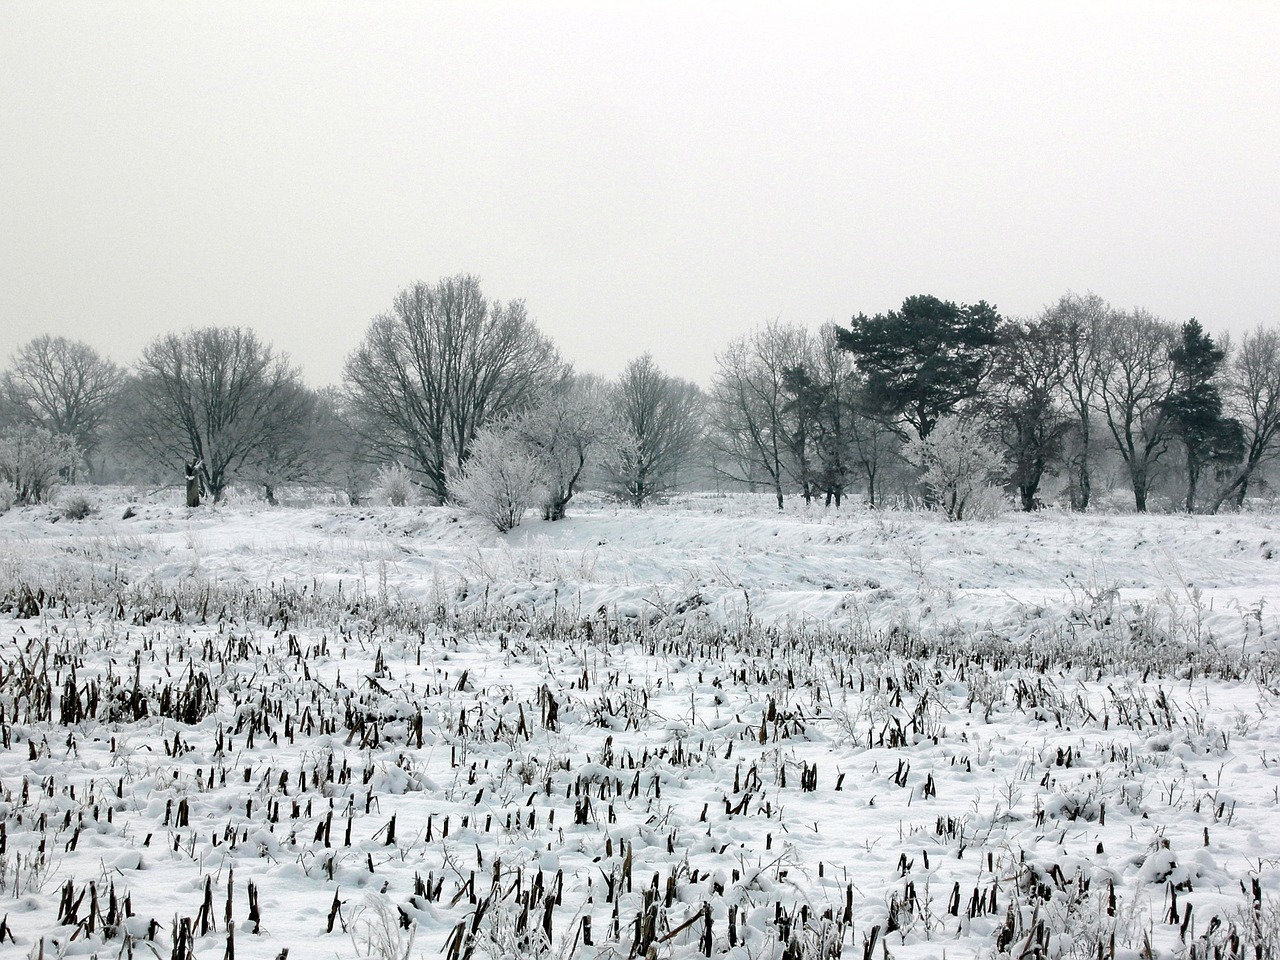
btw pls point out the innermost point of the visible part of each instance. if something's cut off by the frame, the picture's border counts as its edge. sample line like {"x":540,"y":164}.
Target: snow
{"x":778,"y":710}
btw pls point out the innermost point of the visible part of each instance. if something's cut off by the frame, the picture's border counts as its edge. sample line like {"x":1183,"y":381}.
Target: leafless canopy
{"x":219,"y":396}
{"x":659,"y":418}
{"x":62,"y":385}
{"x":565,"y":432}
{"x":1076,"y":323}
{"x":1135,"y":377}
{"x":1253,"y":397}
{"x":441,"y":364}
{"x":750,"y":403}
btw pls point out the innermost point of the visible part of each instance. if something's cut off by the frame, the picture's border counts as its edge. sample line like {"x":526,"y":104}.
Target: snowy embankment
{"x":701,"y":728}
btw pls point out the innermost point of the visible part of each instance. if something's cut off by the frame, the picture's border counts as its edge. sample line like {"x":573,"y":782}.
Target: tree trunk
{"x":1084,"y":485}
{"x":1083,"y":480}
{"x":1138,"y":476}
{"x":1236,"y":489}
{"x":1029,"y":488}
{"x":193,"y":484}
{"x":952,"y":505}
{"x":1027,"y":494}
{"x":1239,"y":485}
{"x":1079,"y":482}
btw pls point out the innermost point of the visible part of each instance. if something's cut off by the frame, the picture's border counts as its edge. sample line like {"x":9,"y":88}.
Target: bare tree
{"x":825,"y":400}
{"x":298,"y":455}
{"x":343,"y":452}
{"x":1076,"y":322}
{"x":64,"y":386}
{"x":659,"y":419}
{"x":1135,"y":380}
{"x":565,"y":433}
{"x":218,"y":397}
{"x":441,"y":364}
{"x":875,"y":443}
{"x":1023,"y":401}
{"x":803,"y":428}
{"x":1252,"y":396}
{"x":752,"y":401}
{"x":836,"y":376}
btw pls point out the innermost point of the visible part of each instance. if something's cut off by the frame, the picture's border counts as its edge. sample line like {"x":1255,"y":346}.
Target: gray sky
{"x":657,"y":178}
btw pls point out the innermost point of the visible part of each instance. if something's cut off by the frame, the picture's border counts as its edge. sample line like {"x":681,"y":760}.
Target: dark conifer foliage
{"x":924,"y":359}
{"x":1195,"y":407}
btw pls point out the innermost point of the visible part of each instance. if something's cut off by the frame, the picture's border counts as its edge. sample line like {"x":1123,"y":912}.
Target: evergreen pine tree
{"x":925,"y":359}
{"x":1195,"y":407}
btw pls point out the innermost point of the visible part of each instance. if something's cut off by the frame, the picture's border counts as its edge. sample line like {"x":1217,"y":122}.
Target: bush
{"x":32,"y":461}
{"x":958,"y":465}
{"x":78,"y":507}
{"x":987,"y":503}
{"x":7,"y":496}
{"x":500,"y":481}
{"x":393,"y":487}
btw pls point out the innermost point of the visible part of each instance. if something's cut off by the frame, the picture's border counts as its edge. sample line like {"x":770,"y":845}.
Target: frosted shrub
{"x":32,"y":461}
{"x":566,"y":433}
{"x":7,"y":496}
{"x":958,"y":463}
{"x":393,"y":487}
{"x":987,"y":502}
{"x":77,"y":507}
{"x":500,"y":481}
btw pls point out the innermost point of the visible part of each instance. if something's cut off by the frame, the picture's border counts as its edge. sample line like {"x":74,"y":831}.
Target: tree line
{"x":1080,"y":386}
{"x":469,"y":400}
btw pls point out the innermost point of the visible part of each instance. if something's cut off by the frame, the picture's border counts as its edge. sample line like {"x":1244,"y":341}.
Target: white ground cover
{"x":706,"y":726}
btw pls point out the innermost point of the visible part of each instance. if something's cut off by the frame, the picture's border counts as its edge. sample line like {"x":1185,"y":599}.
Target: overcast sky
{"x":647,"y":177}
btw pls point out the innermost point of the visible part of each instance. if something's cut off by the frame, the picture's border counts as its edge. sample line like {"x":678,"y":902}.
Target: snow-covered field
{"x":702,"y":729}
